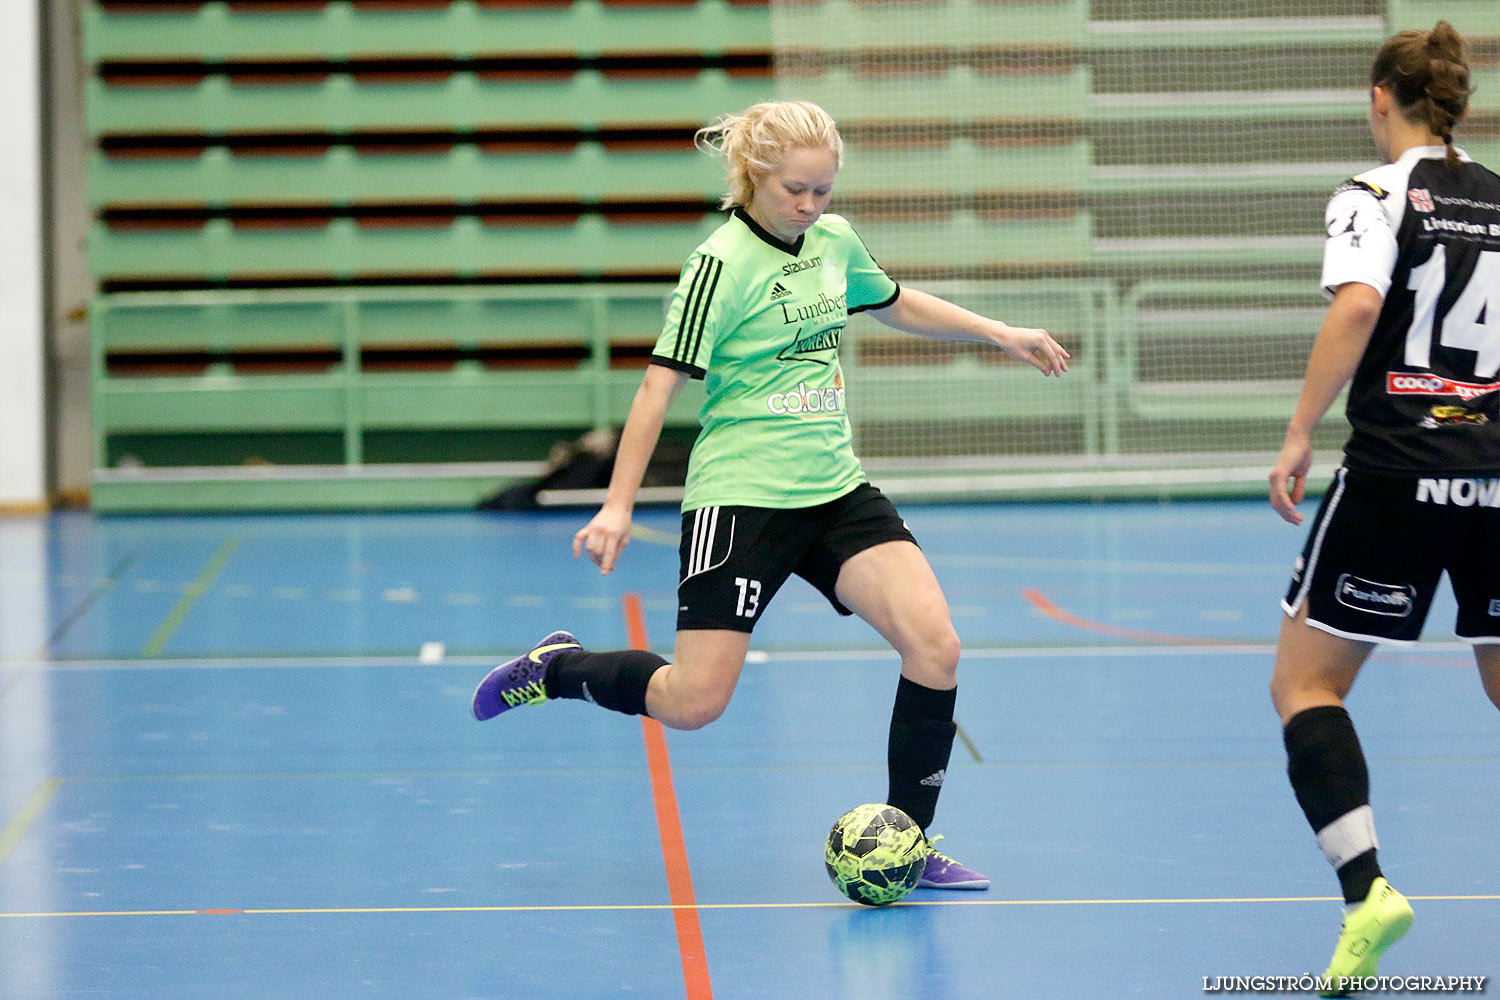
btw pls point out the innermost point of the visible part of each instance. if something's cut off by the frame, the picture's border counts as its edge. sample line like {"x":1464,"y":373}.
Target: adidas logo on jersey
{"x":779,"y":291}
{"x":934,"y":780}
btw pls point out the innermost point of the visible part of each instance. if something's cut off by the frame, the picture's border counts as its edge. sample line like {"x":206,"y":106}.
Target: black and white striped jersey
{"x":1426,"y":235}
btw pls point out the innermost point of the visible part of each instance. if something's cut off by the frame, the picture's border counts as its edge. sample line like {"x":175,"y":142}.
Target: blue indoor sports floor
{"x":237,"y":761}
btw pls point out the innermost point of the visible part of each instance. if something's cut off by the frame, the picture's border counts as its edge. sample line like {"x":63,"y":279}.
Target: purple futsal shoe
{"x":942,"y":872}
{"x":519,"y":681}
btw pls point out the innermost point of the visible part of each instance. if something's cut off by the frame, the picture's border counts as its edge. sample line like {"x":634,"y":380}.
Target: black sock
{"x":1332,"y":784}
{"x":921,"y":739}
{"x":615,"y":680}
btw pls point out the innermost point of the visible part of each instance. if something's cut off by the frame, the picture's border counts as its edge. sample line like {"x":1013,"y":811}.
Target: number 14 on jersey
{"x":1471,"y":323}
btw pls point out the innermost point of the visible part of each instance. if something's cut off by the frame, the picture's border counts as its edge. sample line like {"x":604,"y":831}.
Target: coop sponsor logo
{"x":1427,"y":384}
{"x":1459,"y":492}
{"x":805,"y":400}
{"x":1391,"y":599}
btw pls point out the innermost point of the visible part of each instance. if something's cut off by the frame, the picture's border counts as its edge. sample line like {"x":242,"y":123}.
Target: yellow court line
{"x":958,"y":730}
{"x":640,"y":532}
{"x":195,"y":590}
{"x":622,"y":907}
{"x":12,"y":681}
{"x":17,"y":827}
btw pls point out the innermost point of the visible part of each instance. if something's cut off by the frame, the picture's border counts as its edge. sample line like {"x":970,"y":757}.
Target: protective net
{"x":1144,"y":178}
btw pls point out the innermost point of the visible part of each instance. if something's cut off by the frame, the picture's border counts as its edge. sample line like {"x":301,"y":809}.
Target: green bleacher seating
{"x":340,"y":29}
{"x":344,"y":248}
{"x":1476,"y":19}
{"x":967,"y":166}
{"x":929,"y":241}
{"x":246,"y":376}
{"x":1261,"y":332}
{"x":340,"y":383}
{"x":340,"y":103}
{"x":356,"y":218}
{"x":851,"y":96}
{"x":864,"y":25}
{"x":462,"y":173}
{"x":896,"y":381}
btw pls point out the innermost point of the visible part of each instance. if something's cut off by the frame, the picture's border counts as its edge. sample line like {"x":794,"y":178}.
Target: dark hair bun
{"x":1426,"y":73}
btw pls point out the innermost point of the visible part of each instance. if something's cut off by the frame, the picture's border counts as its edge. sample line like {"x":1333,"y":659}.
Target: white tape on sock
{"x":1349,"y":836}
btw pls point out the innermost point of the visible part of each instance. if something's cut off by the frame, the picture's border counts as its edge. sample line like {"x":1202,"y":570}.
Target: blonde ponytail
{"x":754,"y":142}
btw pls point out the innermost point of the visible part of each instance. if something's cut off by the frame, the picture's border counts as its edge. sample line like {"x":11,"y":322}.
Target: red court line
{"x":669,"y":828}
{"x":1117,"y":631}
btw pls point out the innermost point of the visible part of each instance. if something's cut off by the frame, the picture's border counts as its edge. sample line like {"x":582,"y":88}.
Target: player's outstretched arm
{"x":606,"y":536}
{"x":929,"y":316}
{"x":1341,"y":342}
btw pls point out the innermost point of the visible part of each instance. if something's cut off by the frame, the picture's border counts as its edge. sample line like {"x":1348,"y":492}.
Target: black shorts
{"x":1380,"y":544}
{"x":734,"y":559}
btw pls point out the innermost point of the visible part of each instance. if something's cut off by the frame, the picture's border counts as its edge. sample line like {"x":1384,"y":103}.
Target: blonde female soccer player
{"x":774,"y":487}
{"x":1412,"y":266}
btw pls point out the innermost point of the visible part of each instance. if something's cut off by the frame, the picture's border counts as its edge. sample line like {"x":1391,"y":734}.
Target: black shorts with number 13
{"x":735,"y":559}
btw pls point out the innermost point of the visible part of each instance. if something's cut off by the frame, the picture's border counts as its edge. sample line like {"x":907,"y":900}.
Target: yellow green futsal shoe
{"x":1374,"y":926}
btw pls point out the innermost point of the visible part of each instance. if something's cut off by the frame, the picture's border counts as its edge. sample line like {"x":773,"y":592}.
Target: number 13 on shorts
{"x":749,"y":601}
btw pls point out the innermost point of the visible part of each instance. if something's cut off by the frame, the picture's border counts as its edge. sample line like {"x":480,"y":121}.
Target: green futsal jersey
{"x":760,"y":321}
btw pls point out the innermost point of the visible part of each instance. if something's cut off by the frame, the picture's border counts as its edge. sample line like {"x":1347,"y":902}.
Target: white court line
{"x":754,"y":656}
{"x":657,"y":907}
{"x":1056,"y":652}
{"x":1056,"y":563}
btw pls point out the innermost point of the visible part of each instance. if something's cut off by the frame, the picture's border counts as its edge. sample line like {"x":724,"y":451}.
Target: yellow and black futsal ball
{"x":875,"y":854}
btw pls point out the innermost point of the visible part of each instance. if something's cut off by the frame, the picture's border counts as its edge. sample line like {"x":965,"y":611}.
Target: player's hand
{"x":604,"y":538}
{"x":1291,"y":470}
{"x":1036,"y":348}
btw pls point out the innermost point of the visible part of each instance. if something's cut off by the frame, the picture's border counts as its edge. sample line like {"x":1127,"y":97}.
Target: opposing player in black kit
{"x":1412,"y":267}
